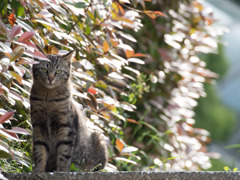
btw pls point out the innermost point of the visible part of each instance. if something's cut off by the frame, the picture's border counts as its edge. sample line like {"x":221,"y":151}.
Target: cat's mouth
{"x":50,"y":85}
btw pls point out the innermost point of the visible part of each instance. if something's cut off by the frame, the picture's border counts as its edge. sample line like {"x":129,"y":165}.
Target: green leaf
{"x":226,"y":168}
{"x":3,"y":7}
{"x":4,"y":150}
{"x":105,"y":3}
{"x":80,"y":5}
{"x":88,"y":30}
{"x":235,"y":169}
{"x":15,"y":5}
{"x":135,"y":3}
{"x":150,"y":168}
{"x":17,"y":53}
{"x":233,"y":146}
{"x":20,"y":11}
{"x":171,"y":158}
{"x":74,"y":168}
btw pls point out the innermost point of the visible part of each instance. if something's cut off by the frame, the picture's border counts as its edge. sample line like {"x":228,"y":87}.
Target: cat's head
{"x":55,"y":72}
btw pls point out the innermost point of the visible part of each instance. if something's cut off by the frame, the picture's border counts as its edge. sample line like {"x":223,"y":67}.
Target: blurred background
{"x":219,"y":112}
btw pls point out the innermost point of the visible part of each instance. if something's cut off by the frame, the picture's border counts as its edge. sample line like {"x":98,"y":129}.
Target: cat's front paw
{"x":37,"y":170}
{"x":62,"y":170}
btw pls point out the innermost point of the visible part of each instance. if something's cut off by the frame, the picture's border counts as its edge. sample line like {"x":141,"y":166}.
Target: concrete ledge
{"x":127,"y":176}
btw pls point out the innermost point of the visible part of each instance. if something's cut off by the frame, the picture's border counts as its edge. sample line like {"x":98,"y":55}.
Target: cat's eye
{"x":58,"y":71}
{"x":44,"y":70}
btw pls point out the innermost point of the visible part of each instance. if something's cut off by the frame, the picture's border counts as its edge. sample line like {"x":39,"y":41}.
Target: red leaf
{"x":18,"y":130}
{"x":132,"y":121}
{"x":92,"y":91}
{"x":17,"y":77}
{"x":25,"y":62}
{"x":105,"y":46}
{"x":120,"y":8}
{"x":26,"y":36}
{"x":119,"y":144}
{"x":11,"y":133}
{"x":154,"y":14}
{"x":139,"y":55}
{"x":6,"y":116}
{"x":36,"y":54}
{"x":12,"y":19}
{"x":1,"y":91}
{"x":15,"y":31}
{"x":129,"y":53}
{"x":114,"y":43}
{"x":30,"y":44}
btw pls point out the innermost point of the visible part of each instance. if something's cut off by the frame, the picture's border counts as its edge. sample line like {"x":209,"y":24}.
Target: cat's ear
{"x":69,"y":56}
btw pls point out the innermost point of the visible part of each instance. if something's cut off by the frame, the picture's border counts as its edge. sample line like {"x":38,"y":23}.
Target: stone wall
{"x":127,"y":176}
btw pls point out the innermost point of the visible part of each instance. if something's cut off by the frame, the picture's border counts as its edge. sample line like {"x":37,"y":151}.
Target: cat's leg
{"x":51,"y":163}
{"x":40,"y":146}
{"x":64,"y":148}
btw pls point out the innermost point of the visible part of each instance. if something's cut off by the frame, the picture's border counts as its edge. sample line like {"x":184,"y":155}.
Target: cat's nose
{"x":51,"y":77}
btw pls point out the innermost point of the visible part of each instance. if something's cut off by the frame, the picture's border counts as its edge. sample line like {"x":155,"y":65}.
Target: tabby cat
{"x":60,"y":134}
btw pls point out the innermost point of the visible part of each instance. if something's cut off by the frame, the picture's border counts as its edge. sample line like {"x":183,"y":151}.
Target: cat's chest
{"x":50,"y":109}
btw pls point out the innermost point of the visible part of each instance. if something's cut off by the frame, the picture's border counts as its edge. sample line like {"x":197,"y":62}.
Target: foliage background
{"x":137,"y":76}
{"x":211,"y":114}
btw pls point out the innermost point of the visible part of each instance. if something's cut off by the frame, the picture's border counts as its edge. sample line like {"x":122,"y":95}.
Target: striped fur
{"x":60,"y":135}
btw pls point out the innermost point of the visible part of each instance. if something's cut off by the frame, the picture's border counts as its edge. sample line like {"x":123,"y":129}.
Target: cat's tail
{"x":100,"y":151}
